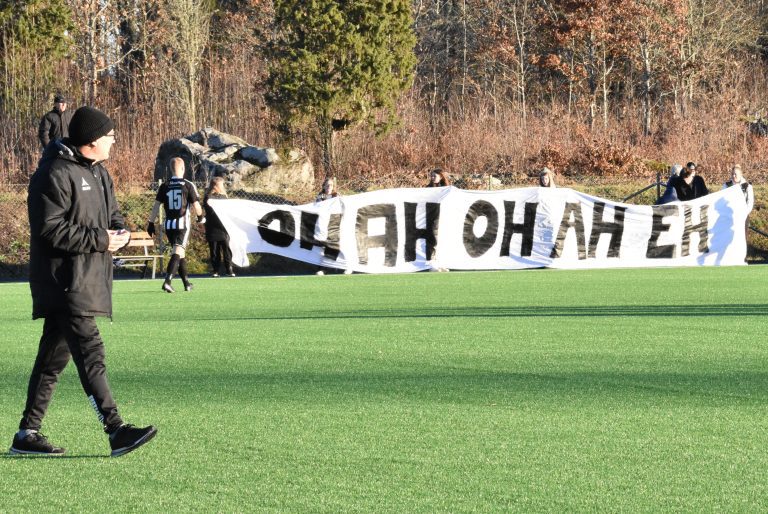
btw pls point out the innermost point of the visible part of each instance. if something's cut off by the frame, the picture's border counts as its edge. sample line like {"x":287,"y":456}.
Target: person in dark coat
{"x":670,"y":194}
{"x":55,"y":123}
{"x":690,"y":186}
{"x":215,"y":233}
{"x":75,"y":225}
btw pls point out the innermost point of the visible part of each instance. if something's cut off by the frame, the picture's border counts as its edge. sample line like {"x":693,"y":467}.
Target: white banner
{"x":399,"y":230}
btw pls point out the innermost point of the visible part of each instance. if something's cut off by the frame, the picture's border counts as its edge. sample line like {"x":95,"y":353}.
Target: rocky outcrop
{"x":210,"y":153}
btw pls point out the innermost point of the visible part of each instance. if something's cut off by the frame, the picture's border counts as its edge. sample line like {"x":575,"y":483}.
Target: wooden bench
{"x":143,"y":240}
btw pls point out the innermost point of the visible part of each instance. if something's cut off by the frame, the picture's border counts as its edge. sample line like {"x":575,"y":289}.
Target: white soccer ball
{"x":320,"y":273}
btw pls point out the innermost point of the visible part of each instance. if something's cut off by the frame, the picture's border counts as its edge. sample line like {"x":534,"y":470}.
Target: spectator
{"x":737,"y":179}
{"x":176,"y":196}
{"x":55,"y":124}
{"x":438,"y":178}
{"x":328,"y":190}
{"x":670,"y":194}
{"x":546,"y":178}
{"x":75,"y":225}
{"x":215,"y":233}
{"x":690,"y":185}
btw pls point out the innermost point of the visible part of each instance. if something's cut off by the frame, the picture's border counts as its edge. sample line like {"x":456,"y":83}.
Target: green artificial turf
{"x":607,"y":390}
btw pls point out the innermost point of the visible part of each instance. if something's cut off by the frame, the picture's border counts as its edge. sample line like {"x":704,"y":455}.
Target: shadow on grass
{"x":462,"y":386}
{"x":539,"y":311}
{"x":51,"y":459}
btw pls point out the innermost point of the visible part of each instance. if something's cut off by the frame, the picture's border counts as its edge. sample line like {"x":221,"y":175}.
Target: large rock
{"x":209,"y":153}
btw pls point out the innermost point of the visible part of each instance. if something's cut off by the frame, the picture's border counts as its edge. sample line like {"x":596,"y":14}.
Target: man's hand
{"x":151,"y":229}
{"x":118,"y":239}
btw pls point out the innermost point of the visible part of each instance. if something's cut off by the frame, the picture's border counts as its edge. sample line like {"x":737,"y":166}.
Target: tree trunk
{"x":326,"y":135}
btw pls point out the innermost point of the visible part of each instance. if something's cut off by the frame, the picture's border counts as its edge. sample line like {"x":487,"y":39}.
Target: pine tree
{"x":34,"y":36}
{"x":336,"y":62}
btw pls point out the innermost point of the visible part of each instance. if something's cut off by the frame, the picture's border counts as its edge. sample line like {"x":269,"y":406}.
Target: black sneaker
{"x":167,"y":288}
{"x":188,"y":287}
{"x":34,"y":444}
{"x":128,"y":437}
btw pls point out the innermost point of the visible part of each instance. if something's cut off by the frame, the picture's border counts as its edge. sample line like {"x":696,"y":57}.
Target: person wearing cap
{"x":690,"y":185}
{"x":75,"y":224}
{"x":55,"y":124}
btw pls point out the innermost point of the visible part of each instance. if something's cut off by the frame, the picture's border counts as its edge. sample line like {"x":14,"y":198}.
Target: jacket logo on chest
{"x":86,"y":185}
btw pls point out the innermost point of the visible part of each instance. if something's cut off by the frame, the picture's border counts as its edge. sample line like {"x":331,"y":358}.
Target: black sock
{"x":173,"y":265}
{"x":183,"y":271}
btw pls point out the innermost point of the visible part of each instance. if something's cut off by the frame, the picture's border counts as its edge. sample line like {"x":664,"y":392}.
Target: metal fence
{"x":137,"y":204}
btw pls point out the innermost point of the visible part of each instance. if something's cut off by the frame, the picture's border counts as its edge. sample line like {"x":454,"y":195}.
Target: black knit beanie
{"x":88,"y":124}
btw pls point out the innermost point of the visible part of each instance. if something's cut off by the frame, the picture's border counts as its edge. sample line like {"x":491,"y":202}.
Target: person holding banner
{"x":670,"y":194}
{"x":546,"y":178}
{"x":690,"y":185}
{"x":176,"y":196}
{"x":737,"y":179}
{"x":328,"y":190}
{"x":215,"y":233}
{"x":438,"y":178}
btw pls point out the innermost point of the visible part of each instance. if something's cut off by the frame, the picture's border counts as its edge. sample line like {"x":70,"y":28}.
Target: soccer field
{"x":543,"y":390}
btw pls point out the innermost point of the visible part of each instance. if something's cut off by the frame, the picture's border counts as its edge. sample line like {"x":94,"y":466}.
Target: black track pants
{"x":78,"y":337}
{"x":220,"y":252}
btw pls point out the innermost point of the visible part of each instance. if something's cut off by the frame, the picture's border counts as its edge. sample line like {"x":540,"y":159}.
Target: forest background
{"x":602,"y":91}
{"x":611,"y":88}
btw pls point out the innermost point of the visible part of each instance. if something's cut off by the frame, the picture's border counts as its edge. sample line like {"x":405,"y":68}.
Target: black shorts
{"x":177,"y":237}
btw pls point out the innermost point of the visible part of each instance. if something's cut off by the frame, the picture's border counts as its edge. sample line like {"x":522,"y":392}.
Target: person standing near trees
{"x":75,"y":224}
{"x":737,"y":179}
{"x":55,"y":124}
{"x":690,"y":185}
{"x":546,"y":178}
{"x":215,"y":233}
{"x":438,"y":178}
{"x":176,"y":196}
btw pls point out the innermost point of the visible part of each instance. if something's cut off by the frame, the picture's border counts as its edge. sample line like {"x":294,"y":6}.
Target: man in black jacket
{"x":55,"y":124}
{"x":75,"y":225}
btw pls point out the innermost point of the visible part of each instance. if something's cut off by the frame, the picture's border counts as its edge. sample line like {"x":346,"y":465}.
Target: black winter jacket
{"x":71,"y":205}
{"x":54,"y":125}
{"x":214,"y":228}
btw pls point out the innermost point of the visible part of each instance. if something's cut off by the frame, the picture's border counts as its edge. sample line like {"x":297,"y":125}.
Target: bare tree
{"x":189,"y":31}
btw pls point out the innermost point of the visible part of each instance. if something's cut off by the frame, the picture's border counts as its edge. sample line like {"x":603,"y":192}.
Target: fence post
{"x":658,"y":186}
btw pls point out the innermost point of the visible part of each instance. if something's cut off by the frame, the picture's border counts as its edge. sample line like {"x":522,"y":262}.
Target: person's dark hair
{"x":691,"y":165}
{"x":444,"y":180}
{"x":686,"y":172}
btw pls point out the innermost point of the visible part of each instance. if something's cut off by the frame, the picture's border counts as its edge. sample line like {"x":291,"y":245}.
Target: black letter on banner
{"x":577,"y":224}
{"x":600,"y":226}
{"x":700,"y":227}
{"x":285,"y":235}
{"x":308,"y":227}
{"x":477,"y":246}
{"x":525,"y":228}
{"x":388,"y":241}
{"x":654,"y":251}
{"x":428,"y":234}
